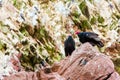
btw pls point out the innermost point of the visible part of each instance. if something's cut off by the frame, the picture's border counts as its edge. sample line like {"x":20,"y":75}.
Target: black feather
{"x":69,"y":46}
{"x":90,"y":37}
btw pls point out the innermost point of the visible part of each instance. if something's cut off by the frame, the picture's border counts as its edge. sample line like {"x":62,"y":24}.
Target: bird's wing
{"x":93,"y":36}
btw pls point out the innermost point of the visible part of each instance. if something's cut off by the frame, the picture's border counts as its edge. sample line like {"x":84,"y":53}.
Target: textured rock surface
{"x":22,"y":76}
{"x":88,"y":63}
{"x":85,"y":63}
{"x":47,"y":74}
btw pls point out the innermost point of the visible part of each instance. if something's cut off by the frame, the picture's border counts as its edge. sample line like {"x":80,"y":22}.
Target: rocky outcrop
{"x":22,"y":76}
{"x":85,"y":63}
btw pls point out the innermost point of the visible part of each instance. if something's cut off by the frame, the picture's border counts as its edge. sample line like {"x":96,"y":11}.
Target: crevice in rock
{"x":83,"y":62}
{"x":106,"y":78}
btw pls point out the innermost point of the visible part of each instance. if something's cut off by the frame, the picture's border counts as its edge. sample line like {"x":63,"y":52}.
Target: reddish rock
{"x":22,"y":76}
{"x":85,"y":63}
{"x":15,"y":61}
{"x":44,"y":74}
{"x":47,"y":74}
{"x":88,"y":63}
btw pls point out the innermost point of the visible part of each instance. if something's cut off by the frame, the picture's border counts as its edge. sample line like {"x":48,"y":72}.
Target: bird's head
{"x":77,"y":32}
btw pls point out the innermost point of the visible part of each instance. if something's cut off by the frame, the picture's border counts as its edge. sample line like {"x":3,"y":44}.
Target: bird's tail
{"x":100,"y":44}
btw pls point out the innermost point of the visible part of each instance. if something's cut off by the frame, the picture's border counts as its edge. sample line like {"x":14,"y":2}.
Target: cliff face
{"x":84,"y":63}
{"x":37,"y":29}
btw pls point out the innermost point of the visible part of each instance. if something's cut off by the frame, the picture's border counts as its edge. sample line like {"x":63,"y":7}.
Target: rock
{"x":22,"y":76}
{"x":43,"y":74}
{"x":85,"y":63}
{"x":88,"y":63}
{"x":47,"y":74}
{"x":15,"y":62}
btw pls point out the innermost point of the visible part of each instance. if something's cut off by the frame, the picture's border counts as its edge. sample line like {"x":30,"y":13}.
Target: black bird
{"x":90,"y":37}
{"x":69,"y":45}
